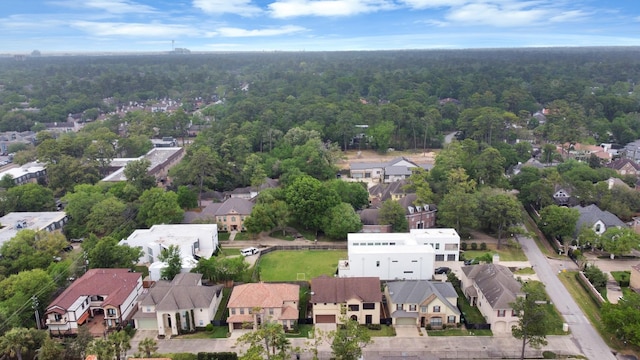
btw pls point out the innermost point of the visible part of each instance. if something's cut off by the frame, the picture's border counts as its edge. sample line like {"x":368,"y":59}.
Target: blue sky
{"x":313,"y":25}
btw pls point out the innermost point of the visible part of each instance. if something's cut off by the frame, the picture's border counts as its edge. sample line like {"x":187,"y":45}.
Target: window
{"x":451,"y":257}
{"x":378,"y":263}
{"x":440,"y":257}
{"x":413,"y":307}
{"x":408,"y":272}
{"x":368,"y":306}
{"x":423,"y":309}
{"x":436,"y":309}
{"x":598,"y":227}
{"x":437,"y":246}
{"x":150,"y":251}
{"x":514,"y":313}
{"x":436,"y":321}
{"x":224,"y":218}
{"x":355,"y":307}
{"x":392,"y":243}
{"x":399,"y":306}
{"x":451,"y":319}
{"x":233,"y":311}
{"x":201,"y":323}
{"x":241,"y":311}
{"x":270,"y":311}
{"x":233,"y":218}
{"x":414,"y":260}
{"x":111,"y":312}
{"x":501,"y":313}
{"x":451,"y":246}
{"x":57,"y":317}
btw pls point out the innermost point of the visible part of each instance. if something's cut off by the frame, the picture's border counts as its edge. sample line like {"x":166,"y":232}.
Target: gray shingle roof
{"x":496,"y":283}
{"x":417,"y":291}
{"x":589,"y":215}
{"x":184,"y":292}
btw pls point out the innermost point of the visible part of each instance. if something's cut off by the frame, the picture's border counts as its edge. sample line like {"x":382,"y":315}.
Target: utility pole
{"x":35,"y":304}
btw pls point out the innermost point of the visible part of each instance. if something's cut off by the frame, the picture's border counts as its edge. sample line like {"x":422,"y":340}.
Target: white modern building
{"x":399,"y":256}
{"x":195,"y":241}
{"x":26,"y":173}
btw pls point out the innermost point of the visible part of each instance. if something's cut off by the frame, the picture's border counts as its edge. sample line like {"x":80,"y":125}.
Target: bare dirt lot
{"x":372,"y":156}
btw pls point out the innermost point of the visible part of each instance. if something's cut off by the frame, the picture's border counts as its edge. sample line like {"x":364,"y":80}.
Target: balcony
{"x":61,"y":321}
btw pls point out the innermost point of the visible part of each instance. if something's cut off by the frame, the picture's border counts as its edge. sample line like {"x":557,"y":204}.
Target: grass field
{"x":293,"y":265}
{"x":506,"y":254}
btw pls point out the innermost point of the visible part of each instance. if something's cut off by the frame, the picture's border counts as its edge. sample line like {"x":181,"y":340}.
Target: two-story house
{"x":492,"y":288}
{"x":194,"y":304}
{"x":336,"y":299}
{"x":625,"y":166}
{"x":252,"y":304}
{"x":596,"y":219}
{"x":422,"y":303}
{"x":110,"y":295}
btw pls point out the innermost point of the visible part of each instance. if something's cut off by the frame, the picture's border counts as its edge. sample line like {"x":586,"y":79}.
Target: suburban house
{"x":562,"y":195}
{"x":625,"y":166}
{"x":161,"y":158}
{"x":492,"y":288}
{"x":354,"y":298}
{"x":379,"y":193}
{"x":184,"y":295}
{"x":195,"y":241}
{"x":250,"y":192}
{"x":14,"y":222}
{"x":370,"y":223}
{"x":632,"y":151}
{"x":108,"y":295}
{"x":252,"y":304}
{"x":422,"y":303}
{"x":582,"y":152}
{"x":8,"y":138}
{"x":399,"y":256}
{"x":230,"y":214}
{"x":26,"y":173}
{"x":421,"y":216}
{"x":591,"y":216}
{"x":387,"y":172}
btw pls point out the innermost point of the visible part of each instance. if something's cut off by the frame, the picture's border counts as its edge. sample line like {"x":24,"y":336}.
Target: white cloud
{"x":238,"y":32}
{"x":239,"y":7}
{"x":435,"y":23}
{"x":493,"y":14}
{"x":133,"y":29}
{"x":293,"y":8}
{"x":424,"y":4}
{"x":568,"y":16}
{"x":110,"y":6}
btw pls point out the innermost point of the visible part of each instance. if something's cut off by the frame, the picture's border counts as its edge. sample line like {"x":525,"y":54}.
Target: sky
{"x":87,"y":26}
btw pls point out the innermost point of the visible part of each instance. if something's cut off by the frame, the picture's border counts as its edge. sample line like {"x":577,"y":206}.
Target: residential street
{"x":585,"y":336}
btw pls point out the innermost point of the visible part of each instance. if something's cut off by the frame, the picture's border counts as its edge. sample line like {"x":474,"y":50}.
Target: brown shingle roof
{"x":114,"y":284}
{"x":264,"y":295}
{"x":338,"y":290}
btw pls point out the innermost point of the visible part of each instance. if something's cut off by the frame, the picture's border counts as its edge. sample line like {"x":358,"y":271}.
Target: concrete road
{"x":585,"y":336}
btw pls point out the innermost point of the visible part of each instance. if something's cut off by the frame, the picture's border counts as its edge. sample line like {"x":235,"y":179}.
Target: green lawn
{"x":385,"y":330}
{"x":223,"y":236}
{"x":506,"y":254}
{"x":294,"y":265}
{"x":471,"y":313}
{"x":525,"y":271}
{"x":219,"y":332}
{"x":229,"y":251}
{"x":622,"y":277}
{"x":303,"y":331}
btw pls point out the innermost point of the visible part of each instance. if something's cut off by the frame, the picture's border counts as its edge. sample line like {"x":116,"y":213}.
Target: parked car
{"x":471,"y":262}
{"x":442,"y":270}
{"x":249,"y":251}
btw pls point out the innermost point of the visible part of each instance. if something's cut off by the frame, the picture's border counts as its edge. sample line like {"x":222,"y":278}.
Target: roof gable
{"x":327,"y":289}
{"x":496,"y":283}
{"x":422,"y":292}
{"x":591,"y":214}
{"x":264,"y":295}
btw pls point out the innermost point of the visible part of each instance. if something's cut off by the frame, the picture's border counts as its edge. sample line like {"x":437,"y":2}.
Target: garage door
{"x":325,"y":319}
{"x":146,"y":324}
{"x":405,"y":321}
{"x":237,"y":326}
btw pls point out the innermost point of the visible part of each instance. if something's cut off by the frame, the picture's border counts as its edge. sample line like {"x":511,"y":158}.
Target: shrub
{"x":548,"y":355}
{"x":463,"y":246}
{"x":483,"y":246}
{"x":217,"y":356}
{"x":428,"y":327}
{"x":209,"y":327}
{"x":474,"y":246}
{"x":596,"y":277}
{"x":374,"y":326}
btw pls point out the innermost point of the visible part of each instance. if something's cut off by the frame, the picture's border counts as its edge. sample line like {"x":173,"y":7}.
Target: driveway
{"x":582,"y":332}
{"x":407,"y":331}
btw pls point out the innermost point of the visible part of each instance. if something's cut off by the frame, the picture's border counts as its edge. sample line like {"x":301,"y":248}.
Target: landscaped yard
{"x":299,"y":265}
{"x":229,"y":251}
{"x":506,"y":254}
{"x":385,"y":330}
{"x":219,"y":332}
{"x":303,"y":331}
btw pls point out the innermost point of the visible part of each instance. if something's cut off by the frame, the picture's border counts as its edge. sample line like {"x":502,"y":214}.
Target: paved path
{"x":583,"y":333}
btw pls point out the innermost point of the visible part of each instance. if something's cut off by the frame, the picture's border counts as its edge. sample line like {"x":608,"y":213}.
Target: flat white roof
{"x":30,"y":168}
{"x":415,"y":236}
{"x":35,"y":221}
{"x":181,"y":235}
{"x":391,"y":249}
{"x":156,"y":156}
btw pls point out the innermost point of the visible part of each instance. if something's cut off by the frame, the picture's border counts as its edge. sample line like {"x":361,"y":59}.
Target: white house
{"x":195,"y":241}
{"x":26,"y":173}
{"x":108,"y":295}
{"x":185,"y":296}
{"x":399,"y":256}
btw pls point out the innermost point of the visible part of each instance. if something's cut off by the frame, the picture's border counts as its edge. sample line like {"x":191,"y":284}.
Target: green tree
{"x":137,"y":174}
{"x":253,"y":171}
{"x":458,"y":210}
{"x":30,"y":197}
{"x":489,"y":168}
{"x":354,"y":193}
{"x":269,"y":341}
{"x":559,"y":221}
{"x":623,"y":319}
{"x":106,"y":253}
{"x":532,"y":318}
{"x":121,"y":342}
{"x":106,"y":216}
{"x":7,"y":182}
{"x":308,"y":200}
{"x":500,"y":211}
{"x":381,"y":135}
{"x":348,"y":342}
{"x":50,"y":350}
{"x":158,"y":206}
{"x":418,"y":182}
{"x":103,"y":349}
{"x":619,"y":241}
{"x":340,"y":221}
{"x":17,"y":290}
{"x":260,"y":219}
{"x":170,"y":256}
{"x":147,"y":346}
{"x":20,"y":341}
{"x":392,"y":213}
{"x":69,"y":172}
{"x":199,"y":170}
{"x":187,"y":199}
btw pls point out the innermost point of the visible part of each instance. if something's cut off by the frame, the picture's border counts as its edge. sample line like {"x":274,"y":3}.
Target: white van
{"x":249,"y":251}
